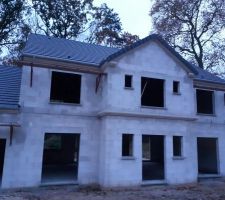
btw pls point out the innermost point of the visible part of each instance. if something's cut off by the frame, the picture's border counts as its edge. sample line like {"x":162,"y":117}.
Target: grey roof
{"x":206,"y":76}
{"x":10,"y":81}
{"x":96,"y":55}
{"x":70,"y":50}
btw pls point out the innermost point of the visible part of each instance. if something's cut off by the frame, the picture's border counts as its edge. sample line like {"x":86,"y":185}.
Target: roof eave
{"x":207,"y":84}
{"x":59,"y":64}
{"x":24,"y":55}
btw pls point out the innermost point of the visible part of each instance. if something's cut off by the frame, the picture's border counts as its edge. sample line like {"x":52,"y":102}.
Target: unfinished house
{"x":78,"y":113}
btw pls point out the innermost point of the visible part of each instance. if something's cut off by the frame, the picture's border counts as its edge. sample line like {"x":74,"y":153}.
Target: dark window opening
{"x":60,"y":157}
{"x":177,"y":145}
{"x":128,"y":81}
{"x":53,"y":141}
{"x":152,"y":92}
{"x":176,"y":87}
{"x":2,"y":157}
{"x":65,"y":87}
{"x":224,"y":98}
{"x":152,"y":157}
{"x":204,"y":101}
{"x":208,"y":160}
{"x":127,"y":145}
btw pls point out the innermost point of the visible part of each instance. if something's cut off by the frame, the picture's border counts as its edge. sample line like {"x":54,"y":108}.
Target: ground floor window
{"x":177,"y":146}
{"x":127,"y":145}
{"x":60,"y":157}
{"x":152,"y":157}
{"x":207,"y":155}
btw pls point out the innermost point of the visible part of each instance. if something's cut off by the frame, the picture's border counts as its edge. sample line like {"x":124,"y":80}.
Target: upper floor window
{"x":205,"y":101}
{"x":152,"y":92}
{"x":128,"y":81}
{"x":65,"y":87}
{"x":176,"y":87}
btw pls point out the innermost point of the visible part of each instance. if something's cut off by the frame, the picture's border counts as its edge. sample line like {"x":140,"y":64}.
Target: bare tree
{"x":195,"y":28}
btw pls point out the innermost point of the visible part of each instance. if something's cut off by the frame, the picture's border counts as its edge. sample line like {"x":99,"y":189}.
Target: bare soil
{"x":206,"y":190}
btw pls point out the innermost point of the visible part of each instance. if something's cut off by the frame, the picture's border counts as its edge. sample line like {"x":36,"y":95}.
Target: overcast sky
{"x":133,"y":14}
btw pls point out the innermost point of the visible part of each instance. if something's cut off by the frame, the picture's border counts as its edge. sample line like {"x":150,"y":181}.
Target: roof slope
{"x":69,"y":50}
{"x":147,"y":39}
{"x":204,"y":75}
{"x":96,"y":55}
{"x":10,"y":81}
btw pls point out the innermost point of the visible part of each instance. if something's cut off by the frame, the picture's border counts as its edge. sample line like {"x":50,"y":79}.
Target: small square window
{"x":177,"y":146}
{"x":128,"y":81}
{"x":127,"y":145}
{"x":176,"y":87}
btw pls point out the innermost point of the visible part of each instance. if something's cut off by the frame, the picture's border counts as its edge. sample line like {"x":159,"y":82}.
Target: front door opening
{"x":60,"y":157}
{"x":207,"y":156}
{"x":152,"y":157}
{"x":2,"y":157}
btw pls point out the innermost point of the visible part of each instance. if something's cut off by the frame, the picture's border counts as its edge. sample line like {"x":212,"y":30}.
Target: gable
{"x":152,"y":57}
{"x":153,"y":37}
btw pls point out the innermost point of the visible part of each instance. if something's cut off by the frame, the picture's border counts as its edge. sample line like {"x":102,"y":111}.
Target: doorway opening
{"x":207,"y":155}
{"x":152,"y":157}
{"x":60,"y":157}
{"x":2,"y":157}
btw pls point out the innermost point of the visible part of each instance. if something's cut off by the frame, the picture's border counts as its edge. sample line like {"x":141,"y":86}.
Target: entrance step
{"x":153,"y":182}
{"x":56,"y":183}
{"x":202,"y":177}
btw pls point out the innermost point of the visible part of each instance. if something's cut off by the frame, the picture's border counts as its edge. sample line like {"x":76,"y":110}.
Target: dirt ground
{"x":210,"y":189}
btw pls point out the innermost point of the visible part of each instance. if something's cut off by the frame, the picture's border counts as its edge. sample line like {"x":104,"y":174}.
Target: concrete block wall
{"x":116,"y":171}
{"x":100,"y":159}
{"x":150,"y":60}
{"x":23,"y":159}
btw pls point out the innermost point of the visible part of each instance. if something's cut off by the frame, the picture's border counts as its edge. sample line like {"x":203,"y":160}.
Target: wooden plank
{"x":59,"y":65}
{"x":10,"y":124}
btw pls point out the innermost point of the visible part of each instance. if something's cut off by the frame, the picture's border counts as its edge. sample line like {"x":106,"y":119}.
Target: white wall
{"x":100,"y":158}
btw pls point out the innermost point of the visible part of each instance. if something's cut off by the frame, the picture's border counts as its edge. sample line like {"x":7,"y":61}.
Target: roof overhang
{"x":59,"y":64}
{"x":205,"y":84}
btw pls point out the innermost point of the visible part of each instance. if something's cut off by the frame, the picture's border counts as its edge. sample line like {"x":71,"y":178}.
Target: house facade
{"x":87,"y":114}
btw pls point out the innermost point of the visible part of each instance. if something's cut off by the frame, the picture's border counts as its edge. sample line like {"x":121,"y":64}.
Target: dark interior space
{"x":60,"y":157}
{"x":65,"y":87}
{"x":128,"y":81}
{"x":152,"y":157}
{"x":204,"y":101}
{"x":152,"y":92}
{"x":177,"y":145}
{"x":127,"y":145}
{"x":207,"y":155}
{"x":176,"y":87}
{"x":2,"y":156}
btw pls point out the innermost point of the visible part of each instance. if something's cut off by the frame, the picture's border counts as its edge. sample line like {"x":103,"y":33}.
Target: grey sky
{"x":133,"y":14}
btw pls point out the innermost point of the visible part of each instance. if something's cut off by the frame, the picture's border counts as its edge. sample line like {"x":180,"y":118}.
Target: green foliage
{"x":63,"y":18}
{"x":70,"y":19}
{"x":10,"y":19}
